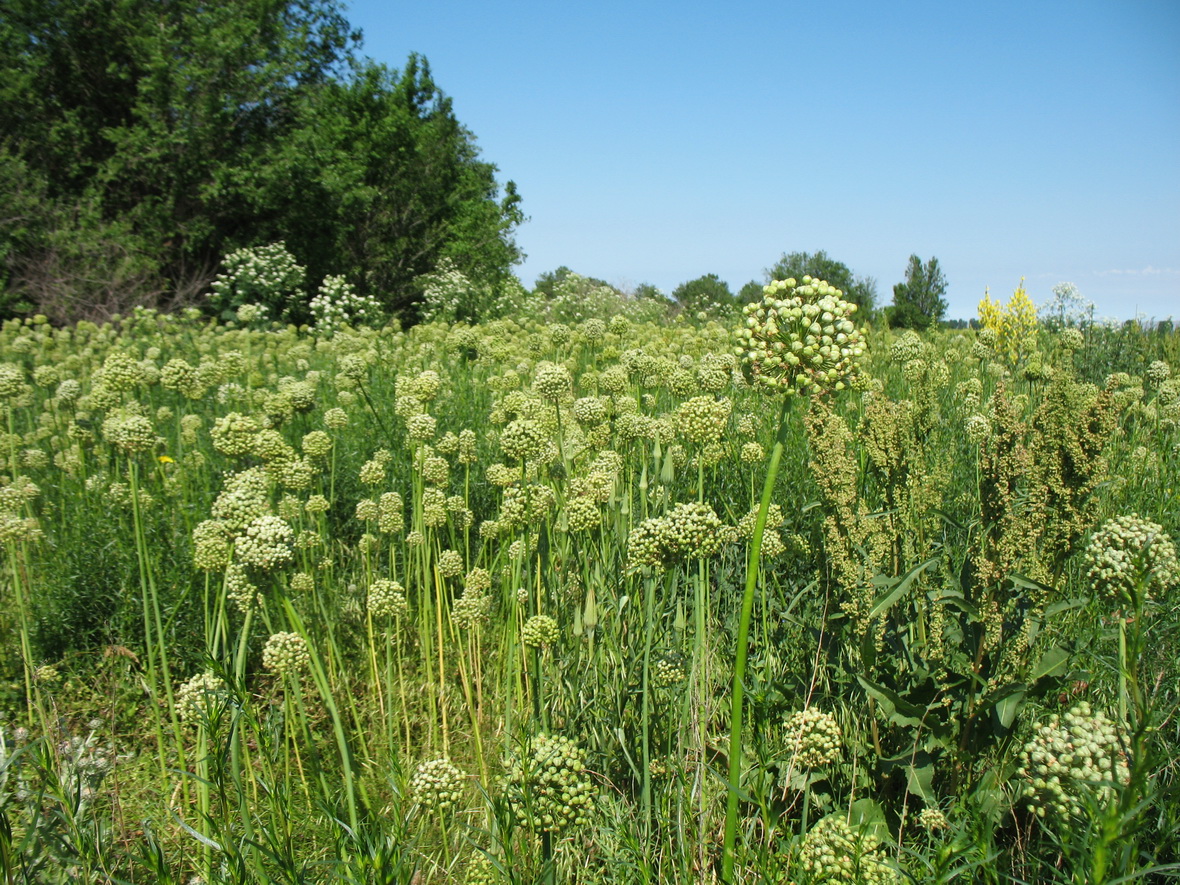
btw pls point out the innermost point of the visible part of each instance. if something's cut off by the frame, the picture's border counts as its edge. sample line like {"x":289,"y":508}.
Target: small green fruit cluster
{"x":286,"y":653}
{"x":540,"y":631}
{"x":437,"y":786}
{"x":813,"y":737}
{"x":547,"y":787}
{"x":1072,"y":759}
{"x":1128,"y":558}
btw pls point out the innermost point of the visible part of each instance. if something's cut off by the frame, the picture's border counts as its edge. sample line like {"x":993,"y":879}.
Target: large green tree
{"x":918,"y":303}
{"x":861,"y":291}
{"x":143,"y":139}
{"x":703,"y":293}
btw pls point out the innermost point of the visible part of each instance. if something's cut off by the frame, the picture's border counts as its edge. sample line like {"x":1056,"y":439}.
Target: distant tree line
{"x":141,"y":142}
{"x":918,"y":302}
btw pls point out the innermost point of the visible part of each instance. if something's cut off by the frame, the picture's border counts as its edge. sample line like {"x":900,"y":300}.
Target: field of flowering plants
{"x":775,"y":598}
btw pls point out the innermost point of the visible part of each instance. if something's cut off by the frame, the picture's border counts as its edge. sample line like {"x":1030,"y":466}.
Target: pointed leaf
{"x":886,"y":602}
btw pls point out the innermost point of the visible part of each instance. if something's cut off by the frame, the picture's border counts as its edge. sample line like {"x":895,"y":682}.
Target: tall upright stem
{"x":743,"y":643}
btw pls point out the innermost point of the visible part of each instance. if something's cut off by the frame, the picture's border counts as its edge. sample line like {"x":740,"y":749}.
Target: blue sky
{"x":654,"y":142}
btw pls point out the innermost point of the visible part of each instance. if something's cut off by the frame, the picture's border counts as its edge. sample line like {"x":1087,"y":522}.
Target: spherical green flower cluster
{"x":390,"y":518}
{"x":269,"y":445}
{"x":592,"y":330}
{"x":702,"y":419}
{"x":523,"y":440}
{"x":437,"y":786}
{"x":421,"y":427}
{"x":233,"y":434}
{"x":753,"y":453}
{"x":335,"y":418}
{"x":547,"y":787}
{"x":540,"y":631}
{"x":977,"y":427}
{"x":286,"y":653}
{"x":801,"y":338}
{"x":317,"y":444}
{"x":481,"y":871}
{"x":906,"y":348}
{"x":200,"y":697}
{"x":613,"y":380}
{"x":435,"y":470}
{"x":590,"y":411}
{"x":689,"y":531}
{"x":581,"y":514}
{"x":239,"y":589}
{"x":12,"y":382}
{"x":1129,"y":558}
{"x":471,"y":609}
{"x":477,"y":581}
{"x":1072,"y":339}
{"x":266,"y":543}
{"x":450,"y":563}
{"x":212,"y":549}
{"x":552,"y":381}
{"x":129,"y":432}
{"x":179,"y":375}
{"x":932,"y":819}
{"x":833,"y":852}
{"x":387,"y":598}
{"x":813,"y":738}
{"x":1157,"y":373}
{"x":1071,"y":760}
{"x":667,"y":673}
{"x":302,"y":582}
{"x":121,"y":372}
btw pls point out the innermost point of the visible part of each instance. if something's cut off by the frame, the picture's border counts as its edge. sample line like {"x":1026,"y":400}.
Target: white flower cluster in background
{"x":338,"y":305}
{"x":265,"y":276}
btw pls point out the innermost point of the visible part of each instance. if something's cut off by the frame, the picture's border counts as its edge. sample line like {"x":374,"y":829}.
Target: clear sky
{"x":654,"y":142}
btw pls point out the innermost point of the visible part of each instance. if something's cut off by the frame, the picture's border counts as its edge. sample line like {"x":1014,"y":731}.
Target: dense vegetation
{"x":141,"y":141}
{"x":465,"y":603}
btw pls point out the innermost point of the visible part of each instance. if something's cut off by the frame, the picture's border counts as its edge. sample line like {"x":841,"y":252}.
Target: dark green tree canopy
{"x":141,"y":141}
{"x":703,"y":292}
{"x":861,"y":291}
{"x":918,"y":303}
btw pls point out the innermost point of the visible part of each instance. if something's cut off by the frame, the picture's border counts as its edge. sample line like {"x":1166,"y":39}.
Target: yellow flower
{"x":164,"y":459}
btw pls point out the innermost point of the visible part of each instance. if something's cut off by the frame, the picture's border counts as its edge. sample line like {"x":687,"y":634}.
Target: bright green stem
{"x":649,"y":606}
{"x":743,"y":645}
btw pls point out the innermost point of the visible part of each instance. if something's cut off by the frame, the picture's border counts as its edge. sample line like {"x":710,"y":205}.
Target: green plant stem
{"x":743,"y":641}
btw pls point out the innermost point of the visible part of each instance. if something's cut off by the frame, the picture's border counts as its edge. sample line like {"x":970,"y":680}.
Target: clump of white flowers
{"x":437,"y":786}
{"x":261,"y":275}
{"x":337,"y":305}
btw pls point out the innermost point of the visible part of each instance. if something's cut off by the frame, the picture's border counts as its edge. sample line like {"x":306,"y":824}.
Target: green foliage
{"x":707,"y":293}
{"x":918,"y":303}
{"x":143,"y":142}
{"x":288,"y":570}
{"x":861,"y":291}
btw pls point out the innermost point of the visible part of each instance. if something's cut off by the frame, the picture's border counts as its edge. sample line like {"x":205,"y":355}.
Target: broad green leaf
{"x":886,"y":602}
{"x":896,"y":709}
{"x":1052,"y":662}
{"x":1008,"y":703}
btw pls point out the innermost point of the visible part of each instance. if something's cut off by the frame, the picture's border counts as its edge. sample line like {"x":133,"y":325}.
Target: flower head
{"x":800,"y":338}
